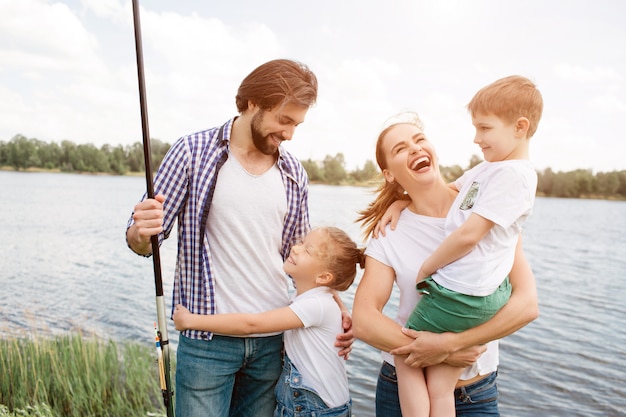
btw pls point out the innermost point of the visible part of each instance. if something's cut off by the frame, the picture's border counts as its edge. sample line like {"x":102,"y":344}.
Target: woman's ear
{"x":388,"y":176}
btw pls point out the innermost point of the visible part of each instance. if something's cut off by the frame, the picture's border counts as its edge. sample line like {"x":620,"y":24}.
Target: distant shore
{"x":58,"y":171}
{"x":367,"y":184}
{"x":143,"y":174}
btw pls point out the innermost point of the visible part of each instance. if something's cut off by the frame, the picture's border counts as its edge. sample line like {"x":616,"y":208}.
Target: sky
{"x":68,"y":70}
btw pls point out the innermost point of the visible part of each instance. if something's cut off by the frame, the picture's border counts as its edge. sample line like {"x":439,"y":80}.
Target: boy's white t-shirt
{"x":503,"y":192}
{"x":404,"y":250}
{"x":312,"y":348}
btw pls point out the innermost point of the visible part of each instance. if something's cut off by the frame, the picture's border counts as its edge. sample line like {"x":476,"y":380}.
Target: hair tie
{"x":360,"y":257}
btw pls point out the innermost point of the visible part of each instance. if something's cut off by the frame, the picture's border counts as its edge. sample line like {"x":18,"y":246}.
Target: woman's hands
{"x":433,"y":348}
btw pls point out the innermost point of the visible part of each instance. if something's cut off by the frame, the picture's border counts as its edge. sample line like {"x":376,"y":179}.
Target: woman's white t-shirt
{"x":404,"y":250}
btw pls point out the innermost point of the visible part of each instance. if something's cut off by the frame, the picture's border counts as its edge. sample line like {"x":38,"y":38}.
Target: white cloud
{"x":114,"y":9}
{"x":595,"y":74}
{"x":608,"y":104}
{"x":45,"y":37}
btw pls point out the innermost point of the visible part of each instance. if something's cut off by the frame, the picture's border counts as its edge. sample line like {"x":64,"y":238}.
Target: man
{"x":241,"y":201}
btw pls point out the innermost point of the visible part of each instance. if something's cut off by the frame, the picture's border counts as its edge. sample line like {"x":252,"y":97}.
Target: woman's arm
{"x":374,"y":328}
{"x":369,"y":324}
{"x":276,"y":320}
{"x":521,"y":309}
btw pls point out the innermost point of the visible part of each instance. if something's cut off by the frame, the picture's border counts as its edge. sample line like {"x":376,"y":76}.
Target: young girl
{"x":314,"y":377}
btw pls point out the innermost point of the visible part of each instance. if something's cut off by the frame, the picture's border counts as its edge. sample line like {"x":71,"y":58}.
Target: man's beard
{"x":263,"y":143}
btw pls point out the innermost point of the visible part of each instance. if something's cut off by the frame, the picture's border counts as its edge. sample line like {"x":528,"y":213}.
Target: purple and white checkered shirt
{"x":187,"y":178}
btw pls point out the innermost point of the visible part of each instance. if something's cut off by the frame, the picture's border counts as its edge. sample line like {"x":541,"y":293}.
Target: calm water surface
{"x":64,"y":265}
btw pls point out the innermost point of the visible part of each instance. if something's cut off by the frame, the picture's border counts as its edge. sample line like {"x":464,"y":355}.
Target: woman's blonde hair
{"x":388,"y":192}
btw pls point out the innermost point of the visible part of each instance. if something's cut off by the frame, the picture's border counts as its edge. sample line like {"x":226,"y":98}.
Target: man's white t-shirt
{"x":249,"y":275}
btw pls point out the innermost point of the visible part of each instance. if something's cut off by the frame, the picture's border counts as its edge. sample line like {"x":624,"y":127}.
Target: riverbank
{"x":75,"y":376}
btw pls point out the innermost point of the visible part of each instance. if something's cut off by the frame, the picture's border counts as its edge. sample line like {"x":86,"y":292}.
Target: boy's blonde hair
{"x":510,"y":98}
{"x":342,"y":256}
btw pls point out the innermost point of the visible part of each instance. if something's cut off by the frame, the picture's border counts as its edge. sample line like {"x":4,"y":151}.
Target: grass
{"x":72,"y":376}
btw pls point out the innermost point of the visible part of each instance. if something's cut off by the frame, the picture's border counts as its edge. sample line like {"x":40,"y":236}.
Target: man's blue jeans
{"x":227,"y":376}
{"x":474,"y":400}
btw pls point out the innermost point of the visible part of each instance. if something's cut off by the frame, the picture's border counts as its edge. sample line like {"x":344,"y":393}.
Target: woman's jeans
{"x":226,"y":376}
{"x":297,"y":400}
{"x":473,"y":400}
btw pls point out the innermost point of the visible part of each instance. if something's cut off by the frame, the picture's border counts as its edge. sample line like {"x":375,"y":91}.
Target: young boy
{"x":465,"y":281}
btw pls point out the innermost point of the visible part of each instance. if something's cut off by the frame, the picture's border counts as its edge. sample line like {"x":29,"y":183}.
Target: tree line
{"x":21,"y":153}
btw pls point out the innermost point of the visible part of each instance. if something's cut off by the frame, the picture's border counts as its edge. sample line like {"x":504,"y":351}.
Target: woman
{"x":410,"y":167}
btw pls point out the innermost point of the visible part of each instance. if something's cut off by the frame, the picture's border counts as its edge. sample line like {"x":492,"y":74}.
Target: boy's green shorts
{"x":443,"y":310}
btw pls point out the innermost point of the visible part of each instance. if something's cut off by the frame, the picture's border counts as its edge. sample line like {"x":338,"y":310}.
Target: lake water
{"x":64,"y":265}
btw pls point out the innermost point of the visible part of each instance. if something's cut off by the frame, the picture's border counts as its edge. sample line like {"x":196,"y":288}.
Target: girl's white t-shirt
{"x":312,"y":348}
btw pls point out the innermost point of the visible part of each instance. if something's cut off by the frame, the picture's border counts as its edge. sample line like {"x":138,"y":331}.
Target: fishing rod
{"x":162,"y":341}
